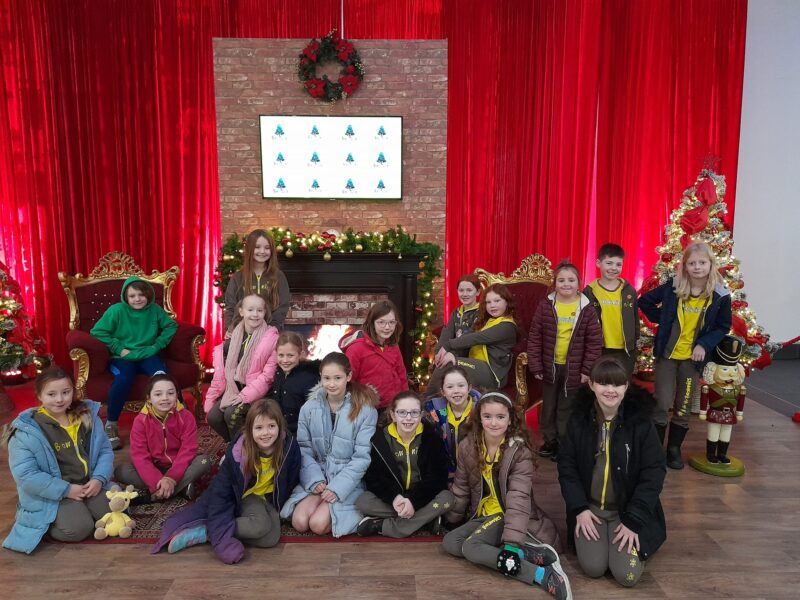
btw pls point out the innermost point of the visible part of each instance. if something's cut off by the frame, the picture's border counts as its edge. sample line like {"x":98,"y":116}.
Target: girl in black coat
{"x":407,"y":476}
{"x":295,"y":377}
{"x":611,"y":468}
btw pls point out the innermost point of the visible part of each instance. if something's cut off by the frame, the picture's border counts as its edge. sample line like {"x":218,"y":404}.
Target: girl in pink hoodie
{"x":244,"y":367}
{"x":163,"y":446}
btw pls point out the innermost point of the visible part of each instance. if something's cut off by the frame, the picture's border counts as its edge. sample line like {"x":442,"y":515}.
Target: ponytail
{"x":360,"y":394}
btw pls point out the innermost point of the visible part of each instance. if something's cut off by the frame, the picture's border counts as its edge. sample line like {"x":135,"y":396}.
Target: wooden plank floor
{"x":731,"y":539}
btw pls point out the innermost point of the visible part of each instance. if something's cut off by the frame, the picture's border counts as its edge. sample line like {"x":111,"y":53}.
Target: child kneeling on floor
{"x":242,"y":504}
{"x":407,"y":476}
{"x":164,"y":459}
{"x":611,"y":468}
{"x":494,"y":483}
{"x":61,"y":461}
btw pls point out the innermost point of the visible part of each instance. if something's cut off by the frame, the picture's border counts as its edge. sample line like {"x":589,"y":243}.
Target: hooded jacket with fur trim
{"x":637,"y":465}
{"x":585,"y":345}
{"x":522,"y":515}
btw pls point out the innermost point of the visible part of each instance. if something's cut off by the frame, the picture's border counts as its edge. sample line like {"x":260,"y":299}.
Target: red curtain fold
{"x":109,"y":140}
{"x":670,"y":99}
{"x":570,"y":123}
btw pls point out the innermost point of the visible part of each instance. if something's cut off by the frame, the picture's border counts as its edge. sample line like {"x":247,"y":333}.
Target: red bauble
{"x":303,"y":248}
{"x":796,"y":417}
{"x":666,"y":257}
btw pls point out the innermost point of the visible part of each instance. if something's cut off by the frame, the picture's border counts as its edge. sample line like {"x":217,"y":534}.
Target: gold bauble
{"x":359,"y":247}
{"x":279,"y":248}
{"x":289,"y":253}
{"x":327,"y":256}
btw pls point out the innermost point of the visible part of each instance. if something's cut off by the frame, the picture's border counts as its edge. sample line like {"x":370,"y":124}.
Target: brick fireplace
{"x":340,"y":291}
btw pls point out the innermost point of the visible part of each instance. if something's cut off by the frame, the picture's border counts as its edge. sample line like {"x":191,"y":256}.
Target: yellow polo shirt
{"x":566,"y":323}
{"x":689,"y":312}
{"x":265,"y":482}
{"x":610,"y":314}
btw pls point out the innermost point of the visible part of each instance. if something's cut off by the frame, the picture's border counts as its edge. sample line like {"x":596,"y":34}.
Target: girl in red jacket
{"x":163,"y":446}
{"x":244,"y":368}
{"x":564,"y":341}
{"x":374,"y":354}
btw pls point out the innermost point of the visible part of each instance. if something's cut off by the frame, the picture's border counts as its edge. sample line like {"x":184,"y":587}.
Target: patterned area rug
{"x":150,"y":518}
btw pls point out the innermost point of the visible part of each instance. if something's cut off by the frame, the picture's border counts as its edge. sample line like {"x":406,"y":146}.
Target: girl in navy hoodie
{"x":295,"y":377}
{"x":243,"y":503}
{"x":693,"y":312}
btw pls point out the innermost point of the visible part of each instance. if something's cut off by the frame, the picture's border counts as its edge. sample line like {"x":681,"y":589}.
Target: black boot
{"x":661,"y":430}
{"x":722,"y":453}
{"x":674,"y":441}
{"x":711,"y":452}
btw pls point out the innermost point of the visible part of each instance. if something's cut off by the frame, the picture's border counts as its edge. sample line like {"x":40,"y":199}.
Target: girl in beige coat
{"x":493,"y":488}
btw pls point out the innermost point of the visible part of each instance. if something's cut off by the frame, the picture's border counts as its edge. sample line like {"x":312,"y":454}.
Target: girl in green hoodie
{"x":135,"y":331}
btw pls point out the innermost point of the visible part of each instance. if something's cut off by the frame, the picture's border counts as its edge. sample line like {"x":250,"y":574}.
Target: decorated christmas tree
{"x":701,"y":217}
{"x":21,"y":348}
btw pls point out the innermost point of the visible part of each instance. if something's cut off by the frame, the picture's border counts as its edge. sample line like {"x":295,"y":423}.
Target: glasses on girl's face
{"x":414,"y":414}
{"x":385,"y":323}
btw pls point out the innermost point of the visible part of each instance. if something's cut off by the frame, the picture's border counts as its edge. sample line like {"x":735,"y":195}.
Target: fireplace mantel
{"x":360,"y":273}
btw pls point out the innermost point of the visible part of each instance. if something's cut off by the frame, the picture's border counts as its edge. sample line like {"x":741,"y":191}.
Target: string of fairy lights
{"x":395,"y":240}
{"x":716,"y":234}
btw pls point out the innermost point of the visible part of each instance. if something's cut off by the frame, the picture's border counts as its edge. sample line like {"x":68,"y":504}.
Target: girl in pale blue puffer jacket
{"x":61,"y":461}
{"x":334,"y":431}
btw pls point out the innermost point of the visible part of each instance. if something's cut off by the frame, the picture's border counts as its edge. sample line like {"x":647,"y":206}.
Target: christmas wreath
{"x":330,"y":48}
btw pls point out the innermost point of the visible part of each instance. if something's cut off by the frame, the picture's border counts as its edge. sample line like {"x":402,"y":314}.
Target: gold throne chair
{"x":90,"y":296}
{"x":528,"y":284}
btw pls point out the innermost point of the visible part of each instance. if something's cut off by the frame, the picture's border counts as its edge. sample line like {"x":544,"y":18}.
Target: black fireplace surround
{"x":361,"y":272}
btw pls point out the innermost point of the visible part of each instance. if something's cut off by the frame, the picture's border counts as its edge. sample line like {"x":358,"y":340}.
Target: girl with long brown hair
{"x":374,"y":352}
{"x":485,"y":353}
{"x":242,"y":504}
{"x":505,"y":530}
{"x":335,"y":429}
{"x":260,"y":274}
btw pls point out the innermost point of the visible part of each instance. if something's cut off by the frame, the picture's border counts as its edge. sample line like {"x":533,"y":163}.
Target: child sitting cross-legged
{"x":260,"y":469}
{"x":163,"y":446}
{"x":407,"y":476}
{"x":506,"y":531}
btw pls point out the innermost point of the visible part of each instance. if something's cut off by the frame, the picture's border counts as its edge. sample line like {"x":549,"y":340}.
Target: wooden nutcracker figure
{"x":721,"y":402}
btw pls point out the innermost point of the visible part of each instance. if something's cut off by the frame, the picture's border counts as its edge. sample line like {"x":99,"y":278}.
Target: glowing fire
{"x":325,"y":339}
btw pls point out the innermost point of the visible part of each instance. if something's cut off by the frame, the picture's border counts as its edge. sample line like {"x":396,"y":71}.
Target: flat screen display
{"x":331,"y":157}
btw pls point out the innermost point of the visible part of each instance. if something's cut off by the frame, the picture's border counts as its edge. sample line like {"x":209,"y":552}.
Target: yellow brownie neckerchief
{"x":479,"y":351}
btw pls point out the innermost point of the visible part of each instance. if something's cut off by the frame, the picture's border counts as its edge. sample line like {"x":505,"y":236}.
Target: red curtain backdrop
{"x":570,"y":123}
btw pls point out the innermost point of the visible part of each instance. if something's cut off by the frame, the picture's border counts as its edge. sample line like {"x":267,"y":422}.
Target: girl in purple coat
{"x":243,"y":503}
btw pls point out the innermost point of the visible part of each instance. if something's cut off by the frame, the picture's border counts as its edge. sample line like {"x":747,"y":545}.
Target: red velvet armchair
{"x":89,"y":297}
{"x":528,"y":284}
